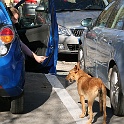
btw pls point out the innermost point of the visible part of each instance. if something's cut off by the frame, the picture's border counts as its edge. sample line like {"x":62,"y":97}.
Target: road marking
{"x":67,"y":100}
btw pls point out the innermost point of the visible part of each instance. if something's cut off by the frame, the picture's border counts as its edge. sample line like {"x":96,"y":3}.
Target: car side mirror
{"x":88,"y":22}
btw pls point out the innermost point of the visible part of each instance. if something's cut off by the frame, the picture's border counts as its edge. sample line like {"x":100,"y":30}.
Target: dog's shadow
{"x":99,"y":114}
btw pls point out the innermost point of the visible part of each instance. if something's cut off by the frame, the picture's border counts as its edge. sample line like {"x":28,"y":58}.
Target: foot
{"x":89,"y":122}
{"x":82,"y":115}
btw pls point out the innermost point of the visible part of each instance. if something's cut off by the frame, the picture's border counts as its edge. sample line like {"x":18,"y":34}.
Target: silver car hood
{"x":73,"y":18}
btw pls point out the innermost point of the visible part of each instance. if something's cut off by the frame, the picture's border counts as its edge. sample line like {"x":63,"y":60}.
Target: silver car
{"x":69,"y":14}
{"x":101,"y":51}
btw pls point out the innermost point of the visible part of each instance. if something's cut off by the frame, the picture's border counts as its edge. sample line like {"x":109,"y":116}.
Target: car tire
{"x":81,"y":57}
{"x":17,"y":105}
{"x":116,"y":97}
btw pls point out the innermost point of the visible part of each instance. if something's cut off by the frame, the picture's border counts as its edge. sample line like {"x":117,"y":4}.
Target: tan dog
{"x":88,"y":87}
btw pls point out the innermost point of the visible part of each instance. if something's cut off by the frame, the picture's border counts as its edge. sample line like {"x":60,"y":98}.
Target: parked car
{"x":69,"y":15}
{"x":101,"y":51}
{"x":12,"y":67}
{"x":13,"y":62}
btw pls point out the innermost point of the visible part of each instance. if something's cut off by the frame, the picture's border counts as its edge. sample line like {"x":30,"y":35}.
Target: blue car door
{"x":53,"y":40}
{"x":41,"y":39}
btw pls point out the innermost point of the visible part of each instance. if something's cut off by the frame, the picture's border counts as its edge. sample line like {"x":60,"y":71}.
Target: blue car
{"x":41,"y":39}
{"x":12,"y":67}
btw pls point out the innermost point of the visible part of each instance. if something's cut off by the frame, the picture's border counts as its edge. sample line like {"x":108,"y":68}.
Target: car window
{"x":113,"y":15}
{"x":104,"y":16}
{"x":119,"y":19}
{"x":62,"y":5}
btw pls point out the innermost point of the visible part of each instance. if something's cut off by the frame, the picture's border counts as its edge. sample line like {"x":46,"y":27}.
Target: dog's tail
{"x":104,"y":92}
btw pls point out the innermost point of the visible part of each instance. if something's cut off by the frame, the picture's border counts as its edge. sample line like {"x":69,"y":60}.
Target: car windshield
{"x":65,"y":5}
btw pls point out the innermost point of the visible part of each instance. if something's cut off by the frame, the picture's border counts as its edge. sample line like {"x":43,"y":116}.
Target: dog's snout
{"x":70,"y":78}
{"x":72,"y":81}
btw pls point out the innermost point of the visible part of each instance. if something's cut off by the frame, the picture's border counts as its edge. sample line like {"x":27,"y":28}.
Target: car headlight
{"x":61,"y":46}
{"x":63,"y":31}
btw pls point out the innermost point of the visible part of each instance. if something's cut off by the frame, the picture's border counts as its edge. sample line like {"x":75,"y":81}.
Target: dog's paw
{"x":82,"y":115}
{"x":104,"y":122}
{"x":89,"y":122}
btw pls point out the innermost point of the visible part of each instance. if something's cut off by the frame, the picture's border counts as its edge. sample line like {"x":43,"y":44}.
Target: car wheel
{"x":116,"y":97}
{"x":81,"y":57}
{"x":17,"y":105}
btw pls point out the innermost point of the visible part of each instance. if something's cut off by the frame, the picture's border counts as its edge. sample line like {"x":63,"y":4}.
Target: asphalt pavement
{"x":49,"y":99}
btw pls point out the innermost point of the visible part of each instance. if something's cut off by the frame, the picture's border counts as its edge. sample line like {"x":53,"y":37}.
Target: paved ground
{"x":45,"y":102}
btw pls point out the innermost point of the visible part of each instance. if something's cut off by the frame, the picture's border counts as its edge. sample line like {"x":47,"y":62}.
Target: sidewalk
{"x":64,"y":67}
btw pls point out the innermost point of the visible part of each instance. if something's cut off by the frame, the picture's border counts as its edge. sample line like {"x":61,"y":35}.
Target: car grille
{"x":73,"y":47}
{"x":77,"y":32}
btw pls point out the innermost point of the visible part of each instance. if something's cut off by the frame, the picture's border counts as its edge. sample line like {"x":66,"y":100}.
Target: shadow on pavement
{"x":68,"y":57}
{"x":37,"y":91}
{"x":100,"y":115}
{"x":4,"y":104}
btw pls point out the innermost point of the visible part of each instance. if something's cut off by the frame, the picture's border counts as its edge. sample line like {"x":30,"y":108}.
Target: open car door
{"x":42,"y":39}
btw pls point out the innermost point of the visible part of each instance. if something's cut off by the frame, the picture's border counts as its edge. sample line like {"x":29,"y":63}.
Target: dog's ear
{"x":78,"y":65}
{"x":76,"y":68}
